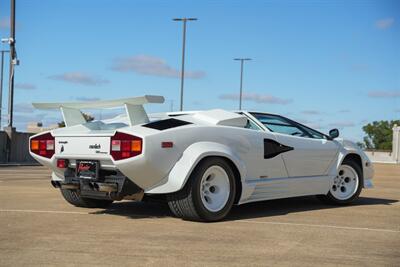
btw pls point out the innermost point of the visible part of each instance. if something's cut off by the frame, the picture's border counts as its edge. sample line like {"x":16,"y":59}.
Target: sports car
{"x":200,"y":162}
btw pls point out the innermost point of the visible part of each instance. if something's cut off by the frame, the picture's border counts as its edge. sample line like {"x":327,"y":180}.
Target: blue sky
{"x":325,"y":63}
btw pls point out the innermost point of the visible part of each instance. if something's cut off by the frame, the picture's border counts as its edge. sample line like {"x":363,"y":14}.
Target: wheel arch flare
{"x":191,"y":157}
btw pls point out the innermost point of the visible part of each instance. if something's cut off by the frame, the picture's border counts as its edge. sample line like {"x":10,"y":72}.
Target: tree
{"x":87,"y":117}
{"x":379,"y":134}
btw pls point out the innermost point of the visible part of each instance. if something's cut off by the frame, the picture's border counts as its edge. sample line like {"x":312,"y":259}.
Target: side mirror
{"x":334,"y":133}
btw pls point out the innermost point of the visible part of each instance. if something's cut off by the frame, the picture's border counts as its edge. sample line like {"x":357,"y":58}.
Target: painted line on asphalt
{"x":47,"y":211}
{"x":322,"y":226}
{"x":238,"y":221}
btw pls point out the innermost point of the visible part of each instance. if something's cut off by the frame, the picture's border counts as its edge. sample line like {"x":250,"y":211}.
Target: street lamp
{"x":241,"y":78}
{"x":1,"y":81}
{"x":184,"y":20}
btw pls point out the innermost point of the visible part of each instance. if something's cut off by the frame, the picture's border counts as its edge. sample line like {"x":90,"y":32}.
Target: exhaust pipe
{"x":91,"y":185}
{"x":55,"y":184}
{"x":69,"y":186}
{"x":105,"y":187}
{"x":58,"y":184}
{"x":95,"y":186}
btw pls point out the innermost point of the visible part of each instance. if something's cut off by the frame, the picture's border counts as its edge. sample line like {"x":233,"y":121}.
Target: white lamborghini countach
{"x":200,"y":162}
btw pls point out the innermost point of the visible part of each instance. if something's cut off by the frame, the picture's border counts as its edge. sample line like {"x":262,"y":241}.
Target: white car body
{"x":306,"y":166}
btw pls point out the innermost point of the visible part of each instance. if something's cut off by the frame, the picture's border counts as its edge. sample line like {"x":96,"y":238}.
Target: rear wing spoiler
{"x":71,"y":111}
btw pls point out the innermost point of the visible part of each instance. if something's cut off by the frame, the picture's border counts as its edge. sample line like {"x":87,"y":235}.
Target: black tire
{"x":187,"y":203}
{"x":73,"y":197}
{"x":330,"y":199}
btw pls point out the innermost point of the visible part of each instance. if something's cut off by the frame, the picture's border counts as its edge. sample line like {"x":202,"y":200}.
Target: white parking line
{"x":238,"y":221}
{"x":47,"y":211}
{"x":321,"y":226}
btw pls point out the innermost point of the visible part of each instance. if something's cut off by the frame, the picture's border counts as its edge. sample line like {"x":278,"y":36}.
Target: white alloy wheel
{"x":214,"y":188}
{"x":345,"y":184}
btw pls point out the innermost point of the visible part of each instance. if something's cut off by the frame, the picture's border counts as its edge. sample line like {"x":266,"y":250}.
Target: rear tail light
{"x":62,"y":163}
{"x":125,"y":146}
{"x":43,"y":145}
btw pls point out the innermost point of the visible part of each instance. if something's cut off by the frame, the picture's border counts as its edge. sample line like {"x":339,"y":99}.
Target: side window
{"x":281,"y":125}
{"x":251,"y":125}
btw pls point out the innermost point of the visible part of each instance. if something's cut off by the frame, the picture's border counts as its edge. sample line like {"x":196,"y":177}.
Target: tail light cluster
{"x":43,"y":145}
{"x":125,"y":146}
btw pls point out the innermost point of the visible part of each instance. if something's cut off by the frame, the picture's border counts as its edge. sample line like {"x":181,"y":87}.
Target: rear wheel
{"x":73,"y":197}
{"x":347,"y":184}
{"x":208,"y":194}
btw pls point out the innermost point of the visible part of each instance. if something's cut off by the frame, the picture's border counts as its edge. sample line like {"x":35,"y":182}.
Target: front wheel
{"x":347,"y":184}
{"x":208,"y":194}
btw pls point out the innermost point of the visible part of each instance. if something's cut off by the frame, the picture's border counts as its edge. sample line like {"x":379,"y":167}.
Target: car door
{"x":305,"y":152}
{"x":260,"y":165}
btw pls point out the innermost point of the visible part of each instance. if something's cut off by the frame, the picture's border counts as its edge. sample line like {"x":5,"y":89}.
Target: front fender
{"x":347,"y":148}
{"x":181,"y":171}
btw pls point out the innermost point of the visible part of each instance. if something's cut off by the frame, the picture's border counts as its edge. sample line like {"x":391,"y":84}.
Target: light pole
{"x":13,"y":61}
{"x":184,"y":20}
{"x":1,"y":81}
{"x":242,"y":60}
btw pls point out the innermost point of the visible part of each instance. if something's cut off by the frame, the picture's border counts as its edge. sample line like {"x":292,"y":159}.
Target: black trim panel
{"x":166,"y":124}
{"x":273,"y":148}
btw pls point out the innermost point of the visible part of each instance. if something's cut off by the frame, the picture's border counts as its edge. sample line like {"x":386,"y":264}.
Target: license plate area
{"x":87,"y":169}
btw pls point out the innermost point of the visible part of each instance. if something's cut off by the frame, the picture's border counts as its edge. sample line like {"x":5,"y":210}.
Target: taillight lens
{"x":62,"y":163}
{"x":125,"y":146}
{"x":43,"y":145}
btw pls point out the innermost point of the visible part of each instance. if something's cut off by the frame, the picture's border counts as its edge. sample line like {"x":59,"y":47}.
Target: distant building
{"x":388,"y":156}
{"x":37,"y":127}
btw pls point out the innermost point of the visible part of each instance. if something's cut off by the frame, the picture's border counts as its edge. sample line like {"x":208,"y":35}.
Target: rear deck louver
{"x":166,"y":124}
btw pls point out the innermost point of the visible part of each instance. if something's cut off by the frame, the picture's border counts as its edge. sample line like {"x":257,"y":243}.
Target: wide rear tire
{"x":73,"y":197}
{"x":209,"y":193}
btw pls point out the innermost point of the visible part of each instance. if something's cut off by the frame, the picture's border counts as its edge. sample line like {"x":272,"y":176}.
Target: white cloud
{"x":23,"y":108}
{"x":79,"y":78}
{"x":311,"y":112}
{"x":384,"y":23}
{"x":315,"y":125}
{"x":257,"y":98}
{"x":87,"y":99}
{"x":25,"y":86}
{"x":153,"y":66}
{"x":342,"y":124}
{"x":4,"y":23}
{"x":384,"y":94}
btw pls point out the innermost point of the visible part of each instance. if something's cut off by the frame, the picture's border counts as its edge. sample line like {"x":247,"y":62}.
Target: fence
{"x":19,"y":148}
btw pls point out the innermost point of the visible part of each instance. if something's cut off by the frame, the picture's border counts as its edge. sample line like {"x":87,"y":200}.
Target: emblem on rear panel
{"x":95,"y":146}
{"x":62,"y":149}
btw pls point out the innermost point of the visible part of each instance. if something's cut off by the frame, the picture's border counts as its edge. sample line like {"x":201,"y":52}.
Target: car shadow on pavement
{"x":137,"y":210}
{"x":293,"y":205}
{"x":269,"y":208}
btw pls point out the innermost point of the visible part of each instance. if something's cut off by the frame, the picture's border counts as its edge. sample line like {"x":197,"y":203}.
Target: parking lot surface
{"x":37,"y":227}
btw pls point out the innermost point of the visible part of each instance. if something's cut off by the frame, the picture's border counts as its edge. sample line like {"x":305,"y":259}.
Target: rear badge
{"x":62,"y":149}
{"x":95,"y":146}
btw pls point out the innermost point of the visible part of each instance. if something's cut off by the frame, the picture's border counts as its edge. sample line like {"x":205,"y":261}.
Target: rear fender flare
{"x":183,"y":168}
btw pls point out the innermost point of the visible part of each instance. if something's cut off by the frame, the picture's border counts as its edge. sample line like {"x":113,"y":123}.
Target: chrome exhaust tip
{"x":69,"y":186}
{"x":106,"y":187}
{"x":55,"y":184}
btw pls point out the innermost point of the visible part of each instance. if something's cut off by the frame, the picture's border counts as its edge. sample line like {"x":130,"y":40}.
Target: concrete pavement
{"x":37,"y":227}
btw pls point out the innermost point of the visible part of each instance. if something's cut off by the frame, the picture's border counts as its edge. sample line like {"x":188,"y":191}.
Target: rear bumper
{"x":111,"y":185}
